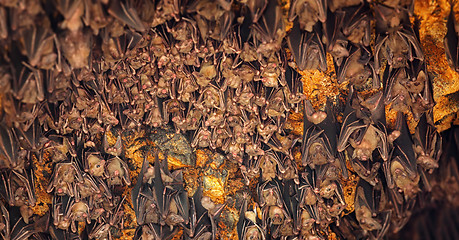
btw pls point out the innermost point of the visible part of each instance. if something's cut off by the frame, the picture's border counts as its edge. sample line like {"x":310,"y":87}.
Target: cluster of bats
{"x":77,"y":75}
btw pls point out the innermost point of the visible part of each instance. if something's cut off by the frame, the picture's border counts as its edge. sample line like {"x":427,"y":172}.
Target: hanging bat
{"x":365,"y":134}
{"x":427,"y":144}
{"x":248,"y":225}
{"x":292,"y":206}
{"x":357,"y":27}
{"x":272,"y":203}
{"x":398,"y":48}
{"x":308,"y":189}
{"x":364,"y":127}
{"x":199,"y":224}
{"x":357,"y":67}
{"x":401,"y":170}
{"x":366,"y":211}
{"x":308,"y":12}
{"x":269,"y":29}
{"x":31,"y":139}
{"x":307,"y":48}
{"x":335,"y":41}
{"x":319,"y":137}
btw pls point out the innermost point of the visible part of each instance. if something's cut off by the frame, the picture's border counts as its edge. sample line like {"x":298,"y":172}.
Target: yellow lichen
{"x":127,"y":234}
{"x":320,"y":86}
{"x":214,"y":188}
{"x":349,"y":188}
{"x":175,"y":163}
{"x":433,"y":15}
{"x":201,"y":158}
{"x":41,"y":184}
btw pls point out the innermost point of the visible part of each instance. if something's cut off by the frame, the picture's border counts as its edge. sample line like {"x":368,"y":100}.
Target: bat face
{"x":79,"y":211}
{"x":64,"y":177}
{"x":95,"y":164}
{"x":87,"y":188}
{"x":118,"y":172}
{"x":252,"y":232}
